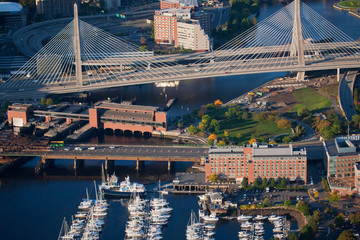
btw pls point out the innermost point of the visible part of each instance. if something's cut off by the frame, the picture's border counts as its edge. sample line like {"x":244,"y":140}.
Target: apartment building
{"x":257,"y":161}
{"x":190,"y":35}
{"x":165,"y":24}
{"x":342,"y":157}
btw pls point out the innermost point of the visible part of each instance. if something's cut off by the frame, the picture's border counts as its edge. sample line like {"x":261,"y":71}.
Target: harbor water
{"x":34,"y":207}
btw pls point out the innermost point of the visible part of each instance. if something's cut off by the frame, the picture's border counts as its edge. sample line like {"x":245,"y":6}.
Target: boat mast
{"x":96,"y":195}
{"x":103,"y":180}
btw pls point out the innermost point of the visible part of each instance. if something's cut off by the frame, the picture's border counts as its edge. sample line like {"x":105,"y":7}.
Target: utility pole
{"x":78,"y":63}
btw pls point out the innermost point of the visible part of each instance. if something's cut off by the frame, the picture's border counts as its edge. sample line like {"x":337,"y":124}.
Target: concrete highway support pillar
{"x":139,"y":165}
{"x":300,"y":76}
{"x":108,"y":164}
{"x":338,"y":74}
{"x":148,"y":66}
{"x":171,"y":165}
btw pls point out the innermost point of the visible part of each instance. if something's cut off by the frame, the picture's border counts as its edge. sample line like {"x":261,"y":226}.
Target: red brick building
{"x":19,"y":114}
{"x":189,"y":4}
{"x":127,"y":117}
{"x":342,"y":157}
{"x":257,"y":161}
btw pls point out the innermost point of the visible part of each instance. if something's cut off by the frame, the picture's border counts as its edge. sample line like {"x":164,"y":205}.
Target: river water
{"x":33,"y":208}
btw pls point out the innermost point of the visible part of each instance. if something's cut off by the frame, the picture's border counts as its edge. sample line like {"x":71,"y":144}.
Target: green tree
{"x":287,"y":203}
{"x":143,"y":48}
{"x":283,"y":183}
{"x":292,"y":236}
{"x":192,"y":129}
{"x":264,"y":183}
{"x":49,"y":102}
{"x":317,"y":216}
{"x":356,"y":120}
{"x":245,"y":183}
{"x":339,"y":220}
{"x":206,"y":119}
{"x":303,"y":207}
{"x":180,"y":125}
{"x":272,"y":182}
{"x":303,"y":111}
{"x":257,"y":183}
{"x":210,"y":142}
{"x":43,"y":101}
{"x":346,"y":235}
{"x":214,"y":126}
{"x":266,"y":202}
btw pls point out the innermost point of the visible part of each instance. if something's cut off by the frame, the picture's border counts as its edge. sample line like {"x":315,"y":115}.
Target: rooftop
{"x":10,"y":7}
{"x":186,"y":3}
{"x":343,"y":146}
{"x":128,"y":115}
{"x":110,"y":105}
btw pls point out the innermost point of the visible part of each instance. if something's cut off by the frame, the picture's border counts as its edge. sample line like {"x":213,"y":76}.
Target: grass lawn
{"x":330,"y":90}
{"x":313,"y":100}
{"x":247,"y":127}
{"x":353,"y":3}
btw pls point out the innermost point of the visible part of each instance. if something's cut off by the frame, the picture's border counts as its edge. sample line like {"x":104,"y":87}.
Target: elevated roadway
{"x":346,"y":96}
{"x":30,"y":89}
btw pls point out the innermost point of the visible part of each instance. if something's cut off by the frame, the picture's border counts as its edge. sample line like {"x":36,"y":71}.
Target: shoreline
{"x":352,"y":11}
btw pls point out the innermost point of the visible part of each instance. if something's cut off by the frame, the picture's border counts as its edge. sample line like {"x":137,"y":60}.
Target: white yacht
{"x":210,"y":218}
{"x":260,"y":218}
{"x":243,"y":218}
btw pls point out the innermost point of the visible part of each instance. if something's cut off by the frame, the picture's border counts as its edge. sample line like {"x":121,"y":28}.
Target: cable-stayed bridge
{"x":82,"y":57}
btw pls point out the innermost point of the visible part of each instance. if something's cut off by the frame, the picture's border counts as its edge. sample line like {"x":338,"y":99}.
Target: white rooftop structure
{"x":184,"y":3}
{"x":10,"y":7}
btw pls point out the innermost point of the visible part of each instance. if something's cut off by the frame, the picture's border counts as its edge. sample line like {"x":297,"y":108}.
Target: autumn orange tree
{"x":218,"y":103}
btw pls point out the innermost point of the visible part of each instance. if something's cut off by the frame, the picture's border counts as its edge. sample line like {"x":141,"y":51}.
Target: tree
{"x":317,"y":216}
{"x":143,"y":48}
{"x":142,"y":41}
{"x":202,"y":127}
{"x":221,"y":143}
{"x":226,"y":135}
{"x":339,"y":220}
{"x":346,"y":235}
{"x":180,"y":125}
{"x":206,"y":119}
{"x":284,"y":123}
{"x":292,"y":236}
{"x":245,"y":183}
{"x":287,"y":203}
{"x":252,"y":140}
{"x":218,"y":103}
{"x":333,"y":197}
{"x":266,"y":202}
{"x":264,"y":183}
{"x":356,"y":120}
{"x":272,"y":182}
{"x":303,"y":207}
{"x":316,"y":194}
{"x":213,"y":177}
{"x":43,"y":101}
{"x":49,"y":102}
{"x":303,"y":111}
{"x":283,"y":183}
{"x":192,"y":129}
{"x":257,"y":183}
{"x":214,"y":126}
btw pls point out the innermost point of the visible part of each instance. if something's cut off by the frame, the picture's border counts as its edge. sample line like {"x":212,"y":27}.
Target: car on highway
{"x":78,"y":149}
{"x":66,"y":149}
{"x":91,"y":148}
{"x":112,"y":147}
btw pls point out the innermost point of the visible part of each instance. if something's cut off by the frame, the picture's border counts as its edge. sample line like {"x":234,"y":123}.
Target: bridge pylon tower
{"x":297,"y":48}
{"x":77,"y":48}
